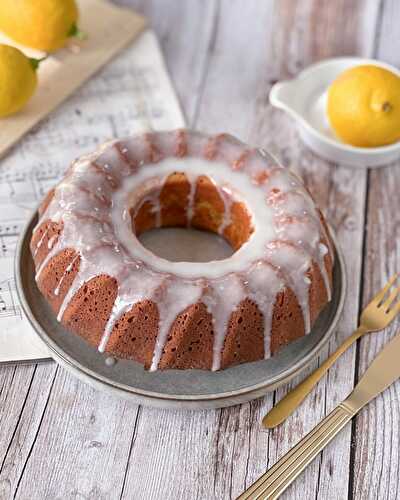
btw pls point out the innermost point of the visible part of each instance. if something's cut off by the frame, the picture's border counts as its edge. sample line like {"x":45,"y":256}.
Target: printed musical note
{"x":131,"y":94}
{"x":8,"y":300}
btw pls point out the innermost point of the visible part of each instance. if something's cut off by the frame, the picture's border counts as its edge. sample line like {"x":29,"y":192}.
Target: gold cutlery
{"x":382,"y":372}
{"x":376,"y":316}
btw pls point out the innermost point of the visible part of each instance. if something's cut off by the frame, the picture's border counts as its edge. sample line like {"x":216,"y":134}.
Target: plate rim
{"x":152,"y":398}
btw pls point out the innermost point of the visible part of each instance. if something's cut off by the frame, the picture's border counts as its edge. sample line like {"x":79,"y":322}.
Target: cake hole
{"x":186,"y":245}
{"x":183,"y":222}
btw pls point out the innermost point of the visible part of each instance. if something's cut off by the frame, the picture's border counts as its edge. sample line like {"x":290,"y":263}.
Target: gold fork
{"x":376,"y":316}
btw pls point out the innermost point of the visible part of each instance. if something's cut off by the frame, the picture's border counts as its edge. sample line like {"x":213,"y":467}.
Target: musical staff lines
{"x":131,"y":94}
{"x":9,"y":306}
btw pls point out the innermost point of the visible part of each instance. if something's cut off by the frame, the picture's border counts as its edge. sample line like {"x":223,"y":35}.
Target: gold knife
{"x":383,"y":371}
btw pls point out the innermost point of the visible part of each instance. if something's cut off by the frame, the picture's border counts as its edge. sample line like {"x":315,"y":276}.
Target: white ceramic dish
{"x":304,"y":98}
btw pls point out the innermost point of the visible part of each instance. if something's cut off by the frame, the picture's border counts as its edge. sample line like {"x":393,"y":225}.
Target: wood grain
{"x":342,"y":197}
{"x":62,"y":439}
{"x":377,"y":444}
{"x":30,"y":390}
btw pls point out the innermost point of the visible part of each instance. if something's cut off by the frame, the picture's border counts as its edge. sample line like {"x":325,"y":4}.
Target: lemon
{"x":40,"y":24}
{"x":364,"y":106}
{"x":18,"y":79}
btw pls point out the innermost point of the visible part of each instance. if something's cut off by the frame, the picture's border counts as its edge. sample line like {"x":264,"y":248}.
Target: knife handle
{"x":295,"y":397}
{"x":275,"y":481}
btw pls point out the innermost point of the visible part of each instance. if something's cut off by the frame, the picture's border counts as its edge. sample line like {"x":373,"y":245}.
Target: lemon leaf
{"x":75,"y":32}
{"x":36,"y":62}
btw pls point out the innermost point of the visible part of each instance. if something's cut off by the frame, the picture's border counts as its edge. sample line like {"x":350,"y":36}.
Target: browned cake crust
{"x":190,"y":341}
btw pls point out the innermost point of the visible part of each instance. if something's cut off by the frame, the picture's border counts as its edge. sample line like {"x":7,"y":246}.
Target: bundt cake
{"x":105,"y":286}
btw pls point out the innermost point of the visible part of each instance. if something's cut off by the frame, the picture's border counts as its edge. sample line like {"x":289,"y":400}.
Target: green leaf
{"x":36,"y":62}
{"x":76,"y":32}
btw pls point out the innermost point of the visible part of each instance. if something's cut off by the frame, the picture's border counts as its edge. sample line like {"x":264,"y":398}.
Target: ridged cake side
{"x":240,"y":316}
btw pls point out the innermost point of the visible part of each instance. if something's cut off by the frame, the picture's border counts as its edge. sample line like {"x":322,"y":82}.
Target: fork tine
{"x":390,"y":300}
{"x":393,"y":312}
{"x":380,"y":295}
{"x":396,"y":309}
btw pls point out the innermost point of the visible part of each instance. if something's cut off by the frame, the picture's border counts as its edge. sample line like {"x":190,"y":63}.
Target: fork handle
{"x":275,"y":481}
{"x":292,"y":400}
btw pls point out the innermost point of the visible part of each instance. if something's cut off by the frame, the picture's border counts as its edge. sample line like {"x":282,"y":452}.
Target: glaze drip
{"x":221,"y":299}
{"x":40,"y":242}
{"x":98,"y":200}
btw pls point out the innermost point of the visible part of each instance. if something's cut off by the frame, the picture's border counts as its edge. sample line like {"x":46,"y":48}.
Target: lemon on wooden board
{"x":364,"y":106}
{"x":41,"y":24}
{"x":18,"y":79}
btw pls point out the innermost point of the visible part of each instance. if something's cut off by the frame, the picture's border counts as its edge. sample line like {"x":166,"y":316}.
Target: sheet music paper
{"x":131,"y":94}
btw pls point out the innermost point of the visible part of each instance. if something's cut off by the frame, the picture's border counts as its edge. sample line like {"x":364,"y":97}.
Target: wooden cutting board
{"x":108,"y":28}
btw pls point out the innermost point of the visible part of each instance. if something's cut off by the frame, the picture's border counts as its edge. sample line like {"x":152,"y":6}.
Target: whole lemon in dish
{"x":40,"y":24}
{"x":364,"y":106}
{"x":18,"y":79}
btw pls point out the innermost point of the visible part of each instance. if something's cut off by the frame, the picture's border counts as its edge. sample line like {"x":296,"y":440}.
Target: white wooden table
{"x":61,"y":439}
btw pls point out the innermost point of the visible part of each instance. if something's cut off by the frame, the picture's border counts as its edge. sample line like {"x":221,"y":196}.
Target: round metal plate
{"x":171,"y":388}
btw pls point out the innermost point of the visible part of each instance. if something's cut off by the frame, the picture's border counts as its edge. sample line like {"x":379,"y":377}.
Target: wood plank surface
{"x":319,"y":30}
{"x":62,"y":439}
{"x":377,"y":444}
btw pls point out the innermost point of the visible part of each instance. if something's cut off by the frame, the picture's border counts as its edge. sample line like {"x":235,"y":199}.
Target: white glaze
{"x":190,"y":203}
{"x":40,"y":242}
{"x":221,"y":299}
{"x":51,"y":241}
{"x":94,"y":202}
{"x":227,"y":197}
{"x":67,"y":270}
{"x":110,"y":361}
{"x":176,"y":297}
{"x":154,"y":176}
{"x":260,"y":274}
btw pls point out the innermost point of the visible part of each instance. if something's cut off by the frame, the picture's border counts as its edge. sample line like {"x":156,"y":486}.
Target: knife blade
{"x":381,"y":373}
